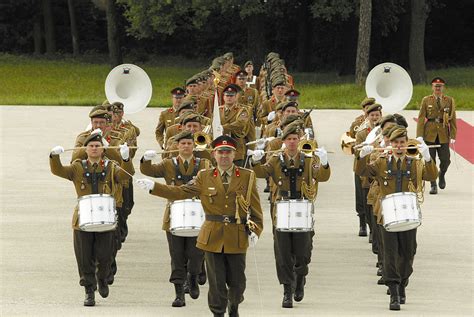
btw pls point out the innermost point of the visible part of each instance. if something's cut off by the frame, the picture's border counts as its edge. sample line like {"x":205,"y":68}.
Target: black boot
{"x":202,"y":277}
{"x":179,"y":300}
{"x":362,"y":226}
{"x":287,"y":296}
{"x":394,"y":297}
{"x":90,"y":297}
{"x":434,"y":188}
{"x":186,"y":286}
{"x":103,"y":288}
{"x":401,"y":291}
{"x":299,"y":290}
{"x":193,"y":286}
{"x":381,"y":281}
{"x":379,"y":271}
{"x":233,"y":310}
{"x":267,"y":188}
{"x":442,"y":181}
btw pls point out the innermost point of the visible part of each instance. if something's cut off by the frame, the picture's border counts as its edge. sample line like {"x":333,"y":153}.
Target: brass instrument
{"x":412,"y":148}
{"x":201,"y":140}
{"x":362,"y":126}
{"x":347,"y":143}
{"x":307,"y":147}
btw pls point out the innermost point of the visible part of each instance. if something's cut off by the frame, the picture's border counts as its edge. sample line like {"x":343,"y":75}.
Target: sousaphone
{"x":130,"y":85}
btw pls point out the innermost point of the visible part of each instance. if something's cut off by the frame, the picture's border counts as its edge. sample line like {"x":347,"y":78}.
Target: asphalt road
{"x":38,"y":268}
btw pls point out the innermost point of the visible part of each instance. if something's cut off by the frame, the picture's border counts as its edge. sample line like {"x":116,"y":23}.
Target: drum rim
{"x":95,"y":195}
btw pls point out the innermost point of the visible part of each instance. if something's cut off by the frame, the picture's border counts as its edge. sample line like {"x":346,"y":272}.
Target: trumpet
{"x":307,"y":146}
{"x":362,"y":126}
{"x":201,"y":140}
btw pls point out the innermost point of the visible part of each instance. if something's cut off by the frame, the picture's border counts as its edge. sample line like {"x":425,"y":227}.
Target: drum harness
{"x":292,"y":173}
{"x":186,"y":178}
{"x":399,"y":174}
{"x":93,"y":178}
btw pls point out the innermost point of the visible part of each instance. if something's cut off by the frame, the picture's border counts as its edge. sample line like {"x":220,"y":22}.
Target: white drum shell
{"x":186,"y":217}
{"x":97,"y":213}
{"x":401,"y":212}
{"x":294,"y":215}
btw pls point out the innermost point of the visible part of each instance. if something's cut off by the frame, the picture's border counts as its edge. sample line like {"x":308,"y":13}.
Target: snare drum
{"x":401,"y":212}
{"x":294,"y":215}
{"x":186,"y":217}
{"x":97,"y":213}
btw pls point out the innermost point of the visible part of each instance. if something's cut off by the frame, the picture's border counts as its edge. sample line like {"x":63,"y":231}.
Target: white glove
{"x":58,"y":149}
{"x":146,"y":184}
{"x":105,"y":143}
{"x":124,"y":151}
{"x":424,"y":151}
{"x":271,"y":116}
{"x":257,"y":155}
{"x":253,"y":239}
{"x":323,"y":155}
{"x":261,"y":143}
{"x":149,"y":155}
{"x":97,"y":131}
{"x":366,"y":150}
{"x":382,"y":143}
{"x":453,"y":141}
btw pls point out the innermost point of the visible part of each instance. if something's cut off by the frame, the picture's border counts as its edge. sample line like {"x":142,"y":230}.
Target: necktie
{"x":225,"y":181}
{"x":399,"y":176}
{"x":438,"y":102}
{"x":186,"y":165}
{"x":292,"y":162}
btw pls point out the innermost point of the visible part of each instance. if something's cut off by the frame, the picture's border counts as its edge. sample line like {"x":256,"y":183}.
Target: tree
{"x":304,"y":39}
{"x":49,"y":27}
{"x":363,"y":41}
{"x":416,"y":53}
{"x":113,"y":41}
{"x":74,"y":32}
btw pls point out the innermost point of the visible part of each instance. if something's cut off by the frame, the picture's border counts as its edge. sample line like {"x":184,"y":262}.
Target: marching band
{"x":224,"y":130}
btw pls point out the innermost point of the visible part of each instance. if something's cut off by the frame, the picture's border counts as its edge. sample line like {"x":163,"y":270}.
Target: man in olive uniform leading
{"x":185,"y":257}
{"x":93,"y":175}
{"x":234,"y":218}
{"x":437,"y":125}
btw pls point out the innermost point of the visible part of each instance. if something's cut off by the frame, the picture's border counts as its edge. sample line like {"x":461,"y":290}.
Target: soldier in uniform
{"x":185,"y":107}
{"x":278,"y":95}
{"x":359,"y":204}
{"x":235,"y":120}
{"x":296,"y":176}
{"x":234,"y":218}
{"x":185,"y":257}
{"x":248,"y":96}
{"x":398,"y":173}
{"x":252,"y":80}
{"x":93,"y":175}
{"x":374,"y":113}
{"x":167,"y":116}
{"x":437,"y":125}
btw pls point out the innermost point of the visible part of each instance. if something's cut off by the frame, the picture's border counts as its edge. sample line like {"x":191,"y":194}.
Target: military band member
{"x":93,"y":175}
{"x":185,"y":257}
{"x":296,"y":176}
{"x":185,"y":107}
{"x":234,"y":217}
{"x":248,"y":96}
{"x":252,"y":80}
{"x":359,"y":201}
{"x":167,"y":116}
{"x":398,"y":173}
{"x":437,"y":125}
{"x":374,"y":113}
{"x":278,"y":95}
{"x":235,"y":120}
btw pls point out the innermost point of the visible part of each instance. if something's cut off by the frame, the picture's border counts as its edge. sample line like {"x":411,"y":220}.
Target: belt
{"x":437,"y":120}
{"x":224,"y":219}
{"x":286,"y":194}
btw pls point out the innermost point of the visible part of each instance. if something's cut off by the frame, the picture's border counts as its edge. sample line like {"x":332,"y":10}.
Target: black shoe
{"x":401,"y":292}
{"x":442,"y":181}
{"x":287,"y":296}
{"x":266,"y":189}
{"x":110,"y":279}
{"x":434,"y":188}
{"x":90,"y":297}
{"x":193,"y":286}
{"x":179,"y":300}
{"x":381,"y":281}
{"x":186,"y":286}
{"x":363,"y":231}
{"x":202,"y":277}
{"x":379,"y":272}
{"x":233,"y":310}
{"x":394,"y":297}
{"x":388,"y":291}
{"x":371,"y":237}
{"x":103,"y":288}
{"x":299,"y":290}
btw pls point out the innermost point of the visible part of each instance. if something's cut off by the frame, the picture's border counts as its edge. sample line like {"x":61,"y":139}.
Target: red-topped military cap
{"x":438,"y":81}
{"x":178,"y":92}
{"x":224,"y":142}
{"x":231,"y":90}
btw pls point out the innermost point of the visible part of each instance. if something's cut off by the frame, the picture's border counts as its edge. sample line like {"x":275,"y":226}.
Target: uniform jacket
{"x":437,"y":121}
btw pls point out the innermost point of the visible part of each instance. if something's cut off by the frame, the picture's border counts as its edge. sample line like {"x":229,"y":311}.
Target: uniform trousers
{"x":126,"y":210}
{"x":185,"y":257}
{"x":443,"y":154}
{"x":292,"y":254}
{"x":399,"y":253}
{"x":94,"y":252}
{"x":227,"y":281}
{"x":367,"y":208}
{"x":359,"y":202}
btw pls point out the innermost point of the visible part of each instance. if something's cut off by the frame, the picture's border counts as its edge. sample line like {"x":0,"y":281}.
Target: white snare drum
{"x":97,"y":213}
{"x":294,"y":215}
{"x":401,"y":212}
{"x":186,"y":217}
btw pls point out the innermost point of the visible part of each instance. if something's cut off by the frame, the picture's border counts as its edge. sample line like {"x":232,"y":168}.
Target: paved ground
{"x":38,"y":269}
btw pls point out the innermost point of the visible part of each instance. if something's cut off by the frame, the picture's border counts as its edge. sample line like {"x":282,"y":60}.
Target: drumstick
{"x":100,"y":147}
{"x":117,"y":165}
